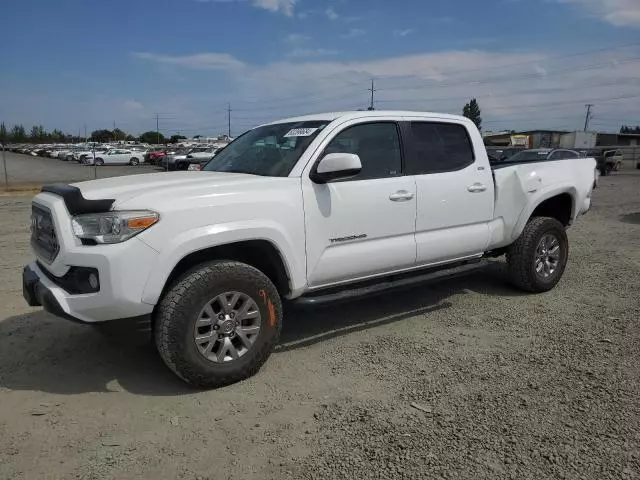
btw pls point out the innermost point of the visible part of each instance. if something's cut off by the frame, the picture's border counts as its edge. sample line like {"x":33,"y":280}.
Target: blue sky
{"x":530,"y":63}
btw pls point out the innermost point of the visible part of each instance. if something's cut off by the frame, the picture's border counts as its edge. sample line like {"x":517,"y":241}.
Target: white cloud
{"x":353,"y":33}
{"x":296,"y":38}
{"x":520,"y":90}
{"x":616,"y":12}
{"x":132,"y":105}
{"x":284,"y":6}
{"x":311,"y":52}
{"x":404,"y":33}
{"x":202,"y":61}
{"x":331,"y":14}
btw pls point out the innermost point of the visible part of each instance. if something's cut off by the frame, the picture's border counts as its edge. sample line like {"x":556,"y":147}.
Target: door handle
{"x":401,"y":196}
{"x":476,"y":188}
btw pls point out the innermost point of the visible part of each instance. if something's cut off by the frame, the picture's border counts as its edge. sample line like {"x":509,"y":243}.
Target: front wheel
{"x":99,"y":162}
{"x":218,"y":323}
{"x":134,"y":162}
{"x":539,"y":256}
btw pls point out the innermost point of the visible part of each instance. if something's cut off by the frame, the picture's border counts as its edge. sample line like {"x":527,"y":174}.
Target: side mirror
{"x":336,"y":165}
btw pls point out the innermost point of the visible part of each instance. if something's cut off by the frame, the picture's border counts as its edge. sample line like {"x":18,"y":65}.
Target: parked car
{"x":168,"y":162}
{"x":197,"y":160}
{"x":311,"y":209}
{"x":499,"y":154}
{"x":608,"y":159}
{"x":154,"y":154}
{"x":86,"y":155}
{"x":538,"y":154}
{"x":115,"y":156}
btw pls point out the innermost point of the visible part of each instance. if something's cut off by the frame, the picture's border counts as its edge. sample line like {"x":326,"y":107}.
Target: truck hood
{"x":123,"y":189}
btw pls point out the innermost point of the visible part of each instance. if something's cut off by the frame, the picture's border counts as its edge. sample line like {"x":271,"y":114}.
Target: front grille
{"x":43,"y":233}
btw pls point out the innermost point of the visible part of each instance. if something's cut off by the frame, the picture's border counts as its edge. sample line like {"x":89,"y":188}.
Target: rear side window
{"x":437,"y":147}
{"x":377,"y":145}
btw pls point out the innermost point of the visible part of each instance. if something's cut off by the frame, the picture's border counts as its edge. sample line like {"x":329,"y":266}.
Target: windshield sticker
{"x":300,"y":132}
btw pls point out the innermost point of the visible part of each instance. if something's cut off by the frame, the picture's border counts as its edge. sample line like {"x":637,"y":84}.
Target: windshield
{"x":271,"y":150}
{"x":528,"y":155}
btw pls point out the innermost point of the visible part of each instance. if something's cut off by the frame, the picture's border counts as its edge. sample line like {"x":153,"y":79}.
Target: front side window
{"x":434,"y":147}
{"x":377,"y":145}
{"x":270,"y":150}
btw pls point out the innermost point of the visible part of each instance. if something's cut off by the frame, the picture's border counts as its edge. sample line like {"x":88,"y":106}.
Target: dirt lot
{"x":507,"y":385}
{"x":25,"y":170}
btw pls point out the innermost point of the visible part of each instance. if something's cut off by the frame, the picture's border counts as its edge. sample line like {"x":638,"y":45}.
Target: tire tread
{"x":519,"y":255}
{"x":176,"y":301}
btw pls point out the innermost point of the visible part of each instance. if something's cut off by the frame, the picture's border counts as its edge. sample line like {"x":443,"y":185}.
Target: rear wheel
{"x":218,"y":324}
{"x":99,"y":162}
{"x":539,"y":256}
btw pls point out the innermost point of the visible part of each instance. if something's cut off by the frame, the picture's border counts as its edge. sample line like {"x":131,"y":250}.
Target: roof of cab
{"x":331,"y":116}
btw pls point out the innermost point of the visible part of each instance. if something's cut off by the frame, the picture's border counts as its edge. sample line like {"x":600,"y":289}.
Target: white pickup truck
{"x":311,"y":209}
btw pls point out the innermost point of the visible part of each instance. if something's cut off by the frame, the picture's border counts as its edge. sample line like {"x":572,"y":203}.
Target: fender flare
{"x":205,"y":237}
{"x":542,"y":196}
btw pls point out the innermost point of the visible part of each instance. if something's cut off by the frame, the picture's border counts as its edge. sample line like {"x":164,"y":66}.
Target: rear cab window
{"x":436,"y":147}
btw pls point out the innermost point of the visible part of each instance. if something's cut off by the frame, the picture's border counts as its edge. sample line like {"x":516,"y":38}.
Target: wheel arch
{"x":259,"y":253}
{"x":560,"y":205}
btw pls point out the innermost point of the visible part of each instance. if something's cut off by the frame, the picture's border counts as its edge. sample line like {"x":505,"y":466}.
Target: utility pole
{"x":4,"y":166}
{"x":588,"y":117}
{"x":115,"y":139}
{"x":372,"y":89}
{"x":158,"y":128}
{"x":229,"y":119}
{"x":85,"y":134}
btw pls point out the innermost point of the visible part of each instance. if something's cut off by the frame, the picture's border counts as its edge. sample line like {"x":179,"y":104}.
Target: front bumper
{"x":123,"y":270}
{"x":36,"y":292}
{"x":108,"y":304}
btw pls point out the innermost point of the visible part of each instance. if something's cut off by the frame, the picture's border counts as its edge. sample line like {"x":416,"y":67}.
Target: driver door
{"x":362,"y":226}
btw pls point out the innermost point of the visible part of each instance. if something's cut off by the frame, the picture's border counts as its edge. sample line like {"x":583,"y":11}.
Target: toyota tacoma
{"x":309,"y":209}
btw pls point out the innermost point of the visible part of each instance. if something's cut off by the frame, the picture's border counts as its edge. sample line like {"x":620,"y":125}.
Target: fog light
{"x":93,"y":281}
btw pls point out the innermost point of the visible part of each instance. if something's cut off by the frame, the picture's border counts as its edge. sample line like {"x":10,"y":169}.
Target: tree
{"x":472,"y":111}
{"x":3,"y":134}
{"x":119,"y":135}
{"x":101,"y":136}
{"x":58,"y":136}
{"x":18,"y":134}
{"x":38,"y":134}
{"x":176,"y":138}
{"x":152,"y":137}
{"x":131,"y":138}
{"x":626,"y":129}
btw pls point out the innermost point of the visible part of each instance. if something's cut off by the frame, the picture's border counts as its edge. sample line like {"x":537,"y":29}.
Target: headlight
{"x":112,"y":227}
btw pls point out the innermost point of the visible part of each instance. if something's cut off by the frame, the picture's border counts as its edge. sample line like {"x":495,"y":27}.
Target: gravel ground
{"x":26,"y":170}
{"x":466,"y":379}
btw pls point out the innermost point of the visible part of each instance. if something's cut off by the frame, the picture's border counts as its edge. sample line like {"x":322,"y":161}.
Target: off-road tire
{"x":177,"y":313}
{"x":521,"y":255}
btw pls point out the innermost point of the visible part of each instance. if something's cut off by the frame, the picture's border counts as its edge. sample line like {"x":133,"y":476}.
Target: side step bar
{"x":385,"y":286}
